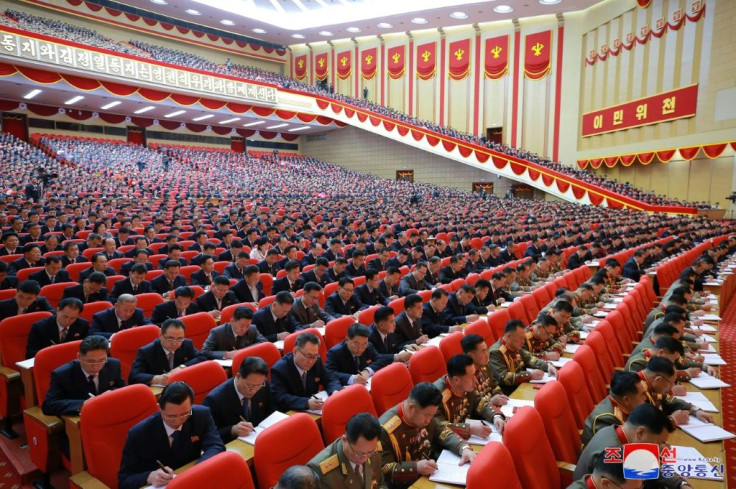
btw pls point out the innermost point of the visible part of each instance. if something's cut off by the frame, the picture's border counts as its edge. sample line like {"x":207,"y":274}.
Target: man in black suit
{"x":164,"y":284}
{"x":173,"y":252}
{"x":380,"y":263}
{"x":343,"y":302}
{"x":319,"y":273}
{"x":356,"y":268}
{"x":414,"y":282}
{"x":206,"y":273}
{"x":181,"y":304}
{"x":92,"y":373}
{"x":62,"y":327}
{"x":6,"y":280}
{"x":383,"y":336}
{"x":241,"y":403}
{"x":250,"y":288}
{"x":140,"y":257}
{"x":453,"y":271}
{"x":409,"y":323}
{"x":231,"y":254}
{"x":275,"y":321}
{"x":458,"y":309}
{"x":354,"y":361}
{"x":389,"y":286}
{"x":578,"y":258}
{"x":338,"y":270}
{"x":291,"y":282}
{"x":299,"y":375}
{"x":632,"y":267}
{"x":109,"y":249}
{"x":270,"y":264}
{"x":123,"y":315}
{"x":178,"y":434}
{"x":171,"y":350}
{"x":141,"y":243}
{"x":51,"y":274}
{"x":498,"y":282}
{"x":225,"y":340}
{"x":92,"y":289}
{"x":99,"y":264}
{"x":123,"y":237}
{"x":433,"y":316}
{"x":314,"y":254}
{"x":236,"y":270}
{"x":335,"y":250}
{"x":306,"y":310}
{"x":71,"y":254}
{"x":26,"y":300}
{"x":12,"y":244}
{"x":217,"y":298}
{"x":31,"y":258}
{"x":133,"y":285}
{"x":400,"y":260}
{"x":369,"y":293}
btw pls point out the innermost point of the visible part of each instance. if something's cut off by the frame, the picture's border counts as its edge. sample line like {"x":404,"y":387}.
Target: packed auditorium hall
{"x":426,"y":244}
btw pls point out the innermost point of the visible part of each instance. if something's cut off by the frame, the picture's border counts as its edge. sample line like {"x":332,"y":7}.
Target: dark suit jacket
{"x":105,"y":323}
{"x":334,"y":306}
{"x":283,"y":284}
{"x":9,"y":283}
{"x":131,"y":253}
{"x":341,"y":363}
{"x":109,"y":272}
{"x":242,"y":292}
{"x":222,"y":339}
{"x":68,"y":388}
{"x":226,"y":408}
{"x":355,"y":272}
{"x":370,"y":297}
{"x":231,"y":271}
{"x":447,"y":275}
{"x":78,"y":292}
{"x":151,"y":361}
{"x":167,"y":310}
{"x":226,"y":255}
{"x":125,"y":268}
{"x":286,"y":384}
{"x":306,"y":316}
{"x":45,"y":333}
{"x":376,"y":264}
{"x":160,"y":284}
{"x":455,"y":313}
{"x":386,"y":291}
{"x":310,"y":276}
{"x":162,"y":263}
{"x":9,"y":307}
{"x":21,"y":263}
{"x":270,"y":328}
{"x":148,"y":442}
{"x":410,"y":285}
{"x":43,"y":279}
{"x":207,"y":302}
{"x":575,"y":261}
{"x":265,"y":268}
{"x":501,"y":294}
{"x":126,"y":287}
{"x":433,"y":323}
{"x":389,"y":347}
{"x":199,"y":278}
{"x":632,"y":270}
{"x":407,"y":331}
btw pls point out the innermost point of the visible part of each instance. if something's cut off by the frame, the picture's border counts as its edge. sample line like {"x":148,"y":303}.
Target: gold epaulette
{"x":329,"y":464}
{"x":446,"y":395}
{"x":392,"y":424}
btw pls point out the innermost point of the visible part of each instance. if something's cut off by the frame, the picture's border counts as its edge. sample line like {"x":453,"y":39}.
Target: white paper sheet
{"x":705,"y":381}
{"x":561,"y":362}
{"x":571,"y":348}
{"x":699,"y":400}
{"x":320,"y":395}
{"x":274,"y":418}
{"x":710,"y":317}
{"x":279,"y":344}
{"x":514,"y":405}
{"x":449,"y":470}
{"x":709,"y":432}
{"x":545,"y":378}
{"x":225,"y":362}
{"x":494,"y":436}
{"x":713,"y":359}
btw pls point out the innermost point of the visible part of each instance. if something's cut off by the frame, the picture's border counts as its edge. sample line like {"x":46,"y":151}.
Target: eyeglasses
{"x":174,"y":417}
{"x":253,"y":387}
{"x":307,"y":356}
{"x":173,"y":340}
{"x":359,"y":346}
{"x":94,"y":362}
{"x":359,"y":454}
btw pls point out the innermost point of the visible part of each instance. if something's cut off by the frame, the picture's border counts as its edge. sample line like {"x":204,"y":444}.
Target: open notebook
{"x":449,"y":470}
{"x":274,"y":418}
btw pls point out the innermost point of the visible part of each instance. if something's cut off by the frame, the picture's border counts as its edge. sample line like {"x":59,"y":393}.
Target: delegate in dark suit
{"x":286,"y":384}
{"x":151,"y":361}
{"x":69,"y":387}
{"x":270,"y":327}
{"x":284,"y":284}
{"x":108,"y":272}
{"x":341,"y":363}
{"x":106,"y":323}
{"x":222,"y":339}
{"x":388,"y":346}
{"x":9,"y":307}
{"x":147,"y":442}
{"x":370,"y":297}
{"x":410,"y":285}
{"x":243,"y":293}
{"x":310,"y":276}
{"x":161,"y":285}
{"x":78,"y":292}
{"x":233,"y":272}
{"x":167,"y":310}
{"x":201,"y":279}
{"x":126,"y":287}
{"x":407,"y":331}
{"x":125,"y":268}
{"x":207,"y":301}
{"x":226,"y":408}
{"x":455,"y":313}
{"x":9,"y":283}
{"x":45,"y":333}
{"x":632,"y":270}
{"x":433,"y":322}
{"x":334,"y":305}
{"x":305,"y":316}
{"x":43,"y":278}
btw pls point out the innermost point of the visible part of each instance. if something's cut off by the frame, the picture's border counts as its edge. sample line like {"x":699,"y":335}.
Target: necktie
{"x":21,"y":310}
{"x":219,"y":304}
{"x":174,"y":437}
{"x":62,"y":334}
{"x":357,"y":363}
{"x":246,"y":409}
{"x":135,"y":288}
{"x":359,"y":472}
{"x":304,"y":381}
{"x":385,"y":344}
{"x":91,"y":388}
{"x":171,"y":285}
{"x":170,"y":358}
{"x":53,"y":279}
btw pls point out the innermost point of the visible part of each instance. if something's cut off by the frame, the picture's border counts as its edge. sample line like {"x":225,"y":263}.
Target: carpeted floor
{"x":727,"y":346}
{"x":16,"y":469}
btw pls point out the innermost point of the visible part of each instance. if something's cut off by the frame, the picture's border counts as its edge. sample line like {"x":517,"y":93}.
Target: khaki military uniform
{"x":405,"y":444}
{"x":485,"y":383}
{"x":539,"y":348}
{"x":456,"y":408}
{"x":509,"y":367}
{"x":607,"y":413}
{"x":666,"y":403}
{"x":336,"y":472}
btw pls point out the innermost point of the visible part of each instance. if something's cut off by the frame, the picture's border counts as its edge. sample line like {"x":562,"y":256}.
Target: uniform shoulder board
{"x":446,"y":395}
{"x":379,"y":448}
{"x":503,"y":349}
{"x":392,"y":424}
{"x":329,"y":464}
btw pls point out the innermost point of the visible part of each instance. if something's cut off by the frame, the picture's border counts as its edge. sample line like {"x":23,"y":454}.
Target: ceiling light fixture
{"x":111,"y":105}
{"x":549,"y":2}
{"x":256,"y":123}
{"x":144,"y":109}
{"x":191,"y":11}
{"x":203,"y":117}
{"x":297,"y":36}
{"x":277,"y":126}
{"x":502,"y":9}
{"x":74,"y":100}
{"x":325,"y":33}
{"x":258,"y":30}
{"x":227,"y":22}
{"x":299,"y":128}
{"x":459,"y":15}
{"x":32,"y":94}
{"x":160,"y":2}
{"x":419,"y":20}
{"x":230,"y":120}
{"x":384,"y":25}
{"x":174,"y":114}
{"x":354,"y":30}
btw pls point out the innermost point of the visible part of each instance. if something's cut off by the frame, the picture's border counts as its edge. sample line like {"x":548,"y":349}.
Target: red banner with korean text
{"x":538,"y":55}
{"x":369,"y":63}
{"x":426,"y":61}
{"x":497,"y":57}
{"x":321,"y":66}
{"x":396,"y":62}
{"x":663,"y":107}
{"x":300,"y":67}
{"x":344,"y":66}
{"x":459,"y":59}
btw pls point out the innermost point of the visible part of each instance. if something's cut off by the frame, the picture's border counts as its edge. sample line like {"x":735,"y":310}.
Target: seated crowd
{"x":177,"y":57}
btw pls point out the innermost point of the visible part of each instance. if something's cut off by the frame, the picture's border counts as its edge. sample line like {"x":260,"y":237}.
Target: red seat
{"x":493,"y":463}
{"x":112,"y":279}
{"x":541,"y":297}
{"x":226,"y":315}
{"x":518,"y":311}
{"x":481,"y":328}
{"x":266,"y":301}
{"x":23,"y":273}
{"x":497,"y":321}
{"x":291,"y":339}
{"x":107,"y":420}
{"x":90,"y":252}
{"x":427,"y":365}
{"x":425,"y":295}
{"x":187,"y":272}
{"x":155,"y":260}
{"x":148,"y":301}
{"x":201,"y":377}
{"x":341,"y":406}
{"x":267,"y":281}
{"x":151,"y":274}
{"x":53,"y":292}
{"x":450,"y":345}
{"x":530,"y":306}
{"x":188,"y":255}
{"x":125,"y":344}
{"x":535,"y":463}
{"x":198,"y":327}
{"x":216,"y":472}
{"x":457,"y":283}
{"x":596,"y":341}
{"x":117,"y":263}
{"x":366,"y":316}
{"x":559,"y":424}
{"x":267,"y":351}
{"x":612,"y":345}
{"x":7,"y":294}
{"x":272,"y":455}
{"x":397,"y":305}
{"x":336,"y":330}
{"x":596,"y":384}
{"x":581,"y":404}
{"x":390,"y":386}
{"x":92,"y":308}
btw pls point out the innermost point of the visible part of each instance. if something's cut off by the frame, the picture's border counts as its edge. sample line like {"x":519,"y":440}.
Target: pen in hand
{"x":164,"y":468}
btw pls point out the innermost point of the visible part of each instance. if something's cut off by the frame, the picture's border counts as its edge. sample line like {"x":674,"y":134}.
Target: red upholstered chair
{"x":497,"y":321}
{"x":493,"y":463}
{"x":7,"y":293}
{"x":535,"y":463}
{"x":366,"y":316}
{"x":187,"y":271}
{"x":198,"y":327}
{"x":53,"y":292}
{"x":23,"y":273}
{"x":217,"y":471}
{"x":112,"y":279}
{"x":517,"y":311}
{"x":74,"y":269}
{"x":397,"y":305}
{"x":612,"y":345}
{"x":117,"y":263}
{"x":596,"y":384}
{"x":481,"y":328}
{"x":266,"y":301}
{"x":151,"y":274}
{"x":155,"y":260}
{"x":390,"y":386}
{"x":43,"y":431}
{"x":341,"y":406}
{"x":90,"y":252}
{"x":201,"y":377}
{"x":581,"y":404}
{"x":337,"y":330}
{"x":272,"y":456}
{"x":427,"y":365}
{"x":125,"y":344}
{"x":226,"y":315}
{"x":291,"y":339}
{"x":13,"y":340}
{"x":425,"y":295}
{"x":107,"y":420}
{"x":541,"y":297}
{"x":457,"y":283}
{"x":450,"y":345}
{"x":148,"y":301}
{"x":562,"y":432}
{"x":530,"y":306}
{"x":266,"y":351}
{"x":92,"y":308}
{"x":267,"y":281}
{"x":596,"y":342}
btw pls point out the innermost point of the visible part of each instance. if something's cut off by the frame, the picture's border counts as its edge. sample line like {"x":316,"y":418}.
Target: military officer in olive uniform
{"x":509,"y":360}
{"x":353,"y":461}
{"x":627,"y":392}
{"x":539,"y":339}
{"x":412,"y":437}
{"x":485,"y":383}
